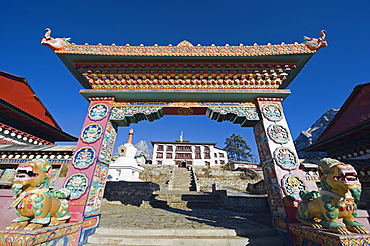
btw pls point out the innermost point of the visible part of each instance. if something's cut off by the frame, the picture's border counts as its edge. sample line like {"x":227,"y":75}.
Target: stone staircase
{"x":182,"y":195}
{"x":183,"y":237}
{"x":182,"y":200}
{"x":182,"y":180}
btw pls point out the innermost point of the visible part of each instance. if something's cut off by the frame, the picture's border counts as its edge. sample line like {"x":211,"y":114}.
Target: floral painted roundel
{"x":292,"y":185}
{"x":98,"y":111}
{"x":83,"y":158}
{"x":77,"y":184}
{"x":278,"y":133}
{"x":91,"y":133}
{"x":286,"y":158}
{"x":272,"y":112}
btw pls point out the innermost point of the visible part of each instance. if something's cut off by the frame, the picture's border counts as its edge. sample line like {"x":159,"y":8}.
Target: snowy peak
{"x":310,"y":135}
{"x":143,"y":149}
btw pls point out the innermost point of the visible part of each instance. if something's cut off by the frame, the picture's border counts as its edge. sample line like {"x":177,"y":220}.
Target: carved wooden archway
{"x":241,"y":84}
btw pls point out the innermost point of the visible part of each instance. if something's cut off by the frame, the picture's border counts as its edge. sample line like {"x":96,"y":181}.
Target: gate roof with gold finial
{"x":185,"y":71}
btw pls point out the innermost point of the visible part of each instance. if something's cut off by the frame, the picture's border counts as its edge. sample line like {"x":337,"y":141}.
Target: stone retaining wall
{"x":133,"y":193}
{"x":243,"y":204}
{"x":159,"y":174}
{"x":225,"y":179}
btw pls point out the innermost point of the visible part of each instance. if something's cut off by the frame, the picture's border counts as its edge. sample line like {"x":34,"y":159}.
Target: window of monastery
{"x":159,"y":162}
{"x":207,"y":163}
{"x":169,"y":148}
{"x":221,"y":155}
{"x":159,"y":154}
{"x":207,"y":154}
{"x":169,"y":155}
{"x":216,"y":162}
{"x":197,"y":149}
{"x":197,"y":155}
{"x":160,"y":147}
{"x":183,"y":148}
{"x":183,"y":156}
{"x":215,"y":155}
{"x":222,"y":162}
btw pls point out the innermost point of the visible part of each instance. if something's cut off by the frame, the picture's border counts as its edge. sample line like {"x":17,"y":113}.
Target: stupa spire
{"x":131,"y":132}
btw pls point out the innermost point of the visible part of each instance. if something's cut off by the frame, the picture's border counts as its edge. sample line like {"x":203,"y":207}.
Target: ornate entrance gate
{"x":242,"y":84}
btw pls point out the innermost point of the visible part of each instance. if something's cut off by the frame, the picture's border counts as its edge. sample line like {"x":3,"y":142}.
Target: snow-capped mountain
{"x":310,"y":136}
{"x":143,"y":149}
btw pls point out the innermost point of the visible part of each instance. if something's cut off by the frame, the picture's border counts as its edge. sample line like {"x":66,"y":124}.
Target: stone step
{"x":185,"y":197}
{"x":163,"y":241}
{"x":180,"y":204}
{"x":191,"y":237}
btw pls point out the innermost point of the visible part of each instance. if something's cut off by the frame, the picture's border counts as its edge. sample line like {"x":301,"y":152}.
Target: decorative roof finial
{"x":54,"y":43}
{"x":185,"y":44}
{"x":316,"y":43}
{"x":182,"y":136}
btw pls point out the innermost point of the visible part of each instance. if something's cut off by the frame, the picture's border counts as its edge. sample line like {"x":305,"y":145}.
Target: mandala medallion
{"x":272,"y":112}
{"x":286,"y":158}
{"x":91,"y":133}
{"x":98,"y":111}
{"x":77,"y":184}
{"x":83,"y":158}
{"x":292,"y":185}
{"x":278,"y":133}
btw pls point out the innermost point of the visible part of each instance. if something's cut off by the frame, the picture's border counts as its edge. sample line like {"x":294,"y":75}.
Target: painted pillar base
{"x":66,"y":234}
{"x":305,"y":235}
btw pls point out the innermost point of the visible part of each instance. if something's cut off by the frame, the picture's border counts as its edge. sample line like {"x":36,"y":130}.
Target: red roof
{"x":352,"y":120}
{"x":354,"y":112}
{"x":16,"y":91}
{"x":22,"y":109}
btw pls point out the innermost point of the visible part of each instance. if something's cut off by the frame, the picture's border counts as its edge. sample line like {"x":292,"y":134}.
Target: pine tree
{"x":237,"y":148}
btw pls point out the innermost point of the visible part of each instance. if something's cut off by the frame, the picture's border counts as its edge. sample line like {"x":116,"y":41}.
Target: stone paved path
{"x":128,"y":216}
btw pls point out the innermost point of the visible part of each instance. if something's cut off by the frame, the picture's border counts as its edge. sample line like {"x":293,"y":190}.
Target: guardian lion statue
{"x":36,"y":205}
{"x":340,"y":188}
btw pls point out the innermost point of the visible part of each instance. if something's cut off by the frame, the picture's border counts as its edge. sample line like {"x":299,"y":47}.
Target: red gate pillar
{"x":283,"y":178}
{"x":88,"y":170}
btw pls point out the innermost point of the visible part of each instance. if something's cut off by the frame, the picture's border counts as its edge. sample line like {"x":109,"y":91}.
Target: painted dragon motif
{"x":340,"y":188}
{"x":36,"y":205}
{"x":316,"y":43}
{"x":54,"y":43}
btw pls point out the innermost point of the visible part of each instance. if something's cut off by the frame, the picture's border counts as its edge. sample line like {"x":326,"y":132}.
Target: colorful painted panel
{"x":274,"y":191}
{"x":91,"y":133}
{"x":61,"y":235}
{"x":313,"y":237}
{"x":109,"y":139}
{"x":98,"y":111}
{"x":278,"y":133}
{"x":292,"y":185}
{"x":83,"y":158}
{"x":262,"y":143}
{"x":119,"y":113}
{"x":249,"y":113}
{"x":272,"y":112}
{"x":286,"y":158}
{"x":96,"y":190}
{"x":77,"y":184}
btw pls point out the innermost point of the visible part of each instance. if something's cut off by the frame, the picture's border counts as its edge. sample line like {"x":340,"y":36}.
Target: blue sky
{"x":324,"y":83}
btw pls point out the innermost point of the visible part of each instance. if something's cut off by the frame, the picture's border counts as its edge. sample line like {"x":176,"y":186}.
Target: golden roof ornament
{"x":185,"y":44}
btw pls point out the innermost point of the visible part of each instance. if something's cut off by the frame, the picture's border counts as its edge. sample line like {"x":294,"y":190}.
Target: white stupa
{"x":125,"y":167}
